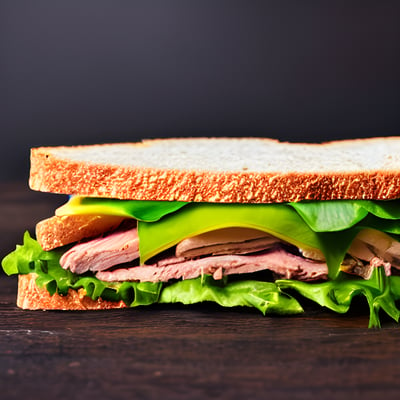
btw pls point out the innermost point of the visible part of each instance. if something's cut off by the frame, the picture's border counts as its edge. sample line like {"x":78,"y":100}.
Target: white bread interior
{"x":240,"y":170}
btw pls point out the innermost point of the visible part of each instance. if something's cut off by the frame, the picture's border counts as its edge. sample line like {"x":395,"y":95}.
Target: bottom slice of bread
{"x":31,"y":297}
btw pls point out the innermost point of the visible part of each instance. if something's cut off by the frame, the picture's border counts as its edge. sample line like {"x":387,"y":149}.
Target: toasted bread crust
{"x":31,"y":297}
{"x":59,"y":231}
{"x":54,"y":171}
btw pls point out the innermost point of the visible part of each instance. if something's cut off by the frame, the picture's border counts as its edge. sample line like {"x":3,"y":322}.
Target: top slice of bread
{"x":232,"y":170}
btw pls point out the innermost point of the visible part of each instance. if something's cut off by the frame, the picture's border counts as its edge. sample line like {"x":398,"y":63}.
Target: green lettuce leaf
{"x":380,"y":291}
{"x":30,"y":258}
{"x":264,"y":296}
{"x":22,"y":260}
{"x":337,"y":215}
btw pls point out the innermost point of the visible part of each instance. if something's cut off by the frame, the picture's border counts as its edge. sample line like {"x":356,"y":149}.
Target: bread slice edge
{"x":51,"y":172}
{"x":32,"y":297}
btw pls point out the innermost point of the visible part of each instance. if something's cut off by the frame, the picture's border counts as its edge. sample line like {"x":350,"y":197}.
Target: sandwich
{"x":241,"y":222}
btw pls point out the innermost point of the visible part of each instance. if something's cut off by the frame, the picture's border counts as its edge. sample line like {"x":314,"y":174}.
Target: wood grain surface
{"x":177,"y":352}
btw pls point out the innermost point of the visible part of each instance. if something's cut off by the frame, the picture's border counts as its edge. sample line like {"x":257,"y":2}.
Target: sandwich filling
{"x":257,"y":255}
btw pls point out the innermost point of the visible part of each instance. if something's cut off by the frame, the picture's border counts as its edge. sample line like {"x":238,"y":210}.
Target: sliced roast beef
{"x":104,"y":252}
{"x":278,"y":260}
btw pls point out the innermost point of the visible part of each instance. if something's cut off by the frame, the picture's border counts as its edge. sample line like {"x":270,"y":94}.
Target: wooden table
{"x":182,"y":352}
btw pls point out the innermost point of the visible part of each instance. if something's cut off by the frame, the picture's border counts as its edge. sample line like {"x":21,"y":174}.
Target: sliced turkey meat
{"x":104,"y":252}
{"x":278,"y":260}
{"x":226,"y":241}
{"x":371,"y":244}
{"x":220,"y":253}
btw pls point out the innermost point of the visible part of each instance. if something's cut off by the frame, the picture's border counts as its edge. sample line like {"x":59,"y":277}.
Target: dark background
{"x":85,"y":71}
